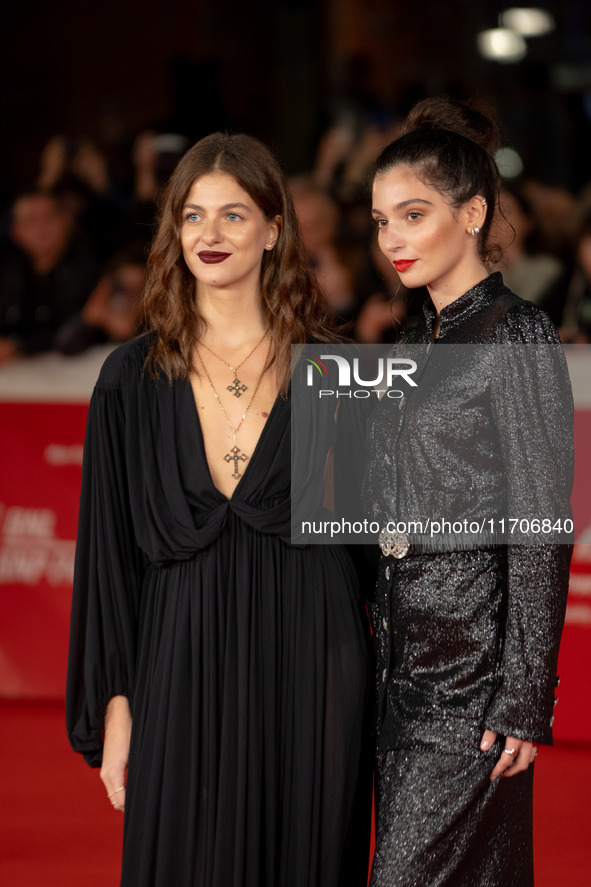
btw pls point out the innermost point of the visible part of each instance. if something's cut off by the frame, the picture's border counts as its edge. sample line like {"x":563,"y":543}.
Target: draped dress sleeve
{"x":108,"y":570}
{"x":533,"y":409}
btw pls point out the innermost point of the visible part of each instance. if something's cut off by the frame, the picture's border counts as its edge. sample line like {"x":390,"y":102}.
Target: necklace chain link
{"x":235,"y":455}
{"x":237,"y":388}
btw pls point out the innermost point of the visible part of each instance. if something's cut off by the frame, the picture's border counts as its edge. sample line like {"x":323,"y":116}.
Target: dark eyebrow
{"x":414,"y":200}
{"x":225,"y":208}
{"x":376,"y":212}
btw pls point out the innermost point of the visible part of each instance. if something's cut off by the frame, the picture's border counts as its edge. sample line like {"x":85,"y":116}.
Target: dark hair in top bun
{"x":445,"y":113}
{"x":450,"y":147}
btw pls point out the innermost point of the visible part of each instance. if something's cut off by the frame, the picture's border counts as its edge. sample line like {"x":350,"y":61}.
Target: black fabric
{"x":441,"y":822}
{"x":467,"y":638}
{"x":481,"y":441}
{"x":244,"y":658}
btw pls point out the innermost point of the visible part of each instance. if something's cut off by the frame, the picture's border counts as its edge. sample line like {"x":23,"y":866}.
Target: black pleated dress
{"x":244,"y":658}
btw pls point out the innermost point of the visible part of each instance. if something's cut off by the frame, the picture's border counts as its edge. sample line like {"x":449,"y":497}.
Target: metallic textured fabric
{"x":442,"y":823}
{"x":467,"y":636}
{"x":487,"y":434}
{"x":499,"y":616}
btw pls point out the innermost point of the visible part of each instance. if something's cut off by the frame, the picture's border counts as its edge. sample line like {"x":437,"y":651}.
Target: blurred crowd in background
{"x":73,"y":247}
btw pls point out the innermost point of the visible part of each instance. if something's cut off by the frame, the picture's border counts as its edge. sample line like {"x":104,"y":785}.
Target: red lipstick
{"x":212,"y":257}
{"x":403,"y":264}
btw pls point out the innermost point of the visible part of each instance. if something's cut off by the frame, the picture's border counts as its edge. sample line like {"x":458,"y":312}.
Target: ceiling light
{"x":509,"y":162}
{"x":530,"y":22}
{"x":502,"y":45}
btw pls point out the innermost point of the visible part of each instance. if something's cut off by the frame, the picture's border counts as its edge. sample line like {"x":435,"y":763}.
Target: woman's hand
{"x":116,"y":750}
{"x":517,"y":755}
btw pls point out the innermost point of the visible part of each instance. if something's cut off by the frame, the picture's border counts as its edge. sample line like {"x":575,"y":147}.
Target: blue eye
{"x":233,"y":217}
{"x":192,"y":217}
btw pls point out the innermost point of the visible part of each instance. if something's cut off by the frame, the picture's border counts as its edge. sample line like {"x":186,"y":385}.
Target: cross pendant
{"x":237,"y":388}
{"x":233,"y":456}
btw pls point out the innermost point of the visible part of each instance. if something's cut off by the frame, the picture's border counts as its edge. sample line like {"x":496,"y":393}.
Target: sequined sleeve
{"x":532,"y":406}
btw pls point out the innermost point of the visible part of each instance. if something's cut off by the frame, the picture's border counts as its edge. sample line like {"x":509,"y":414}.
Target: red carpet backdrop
{"x":43,"y":406}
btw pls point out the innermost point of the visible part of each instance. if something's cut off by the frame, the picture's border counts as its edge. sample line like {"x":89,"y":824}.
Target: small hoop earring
{"x":475,"y":230}
{"x":269,"y":245}
{"x":483,"y":201}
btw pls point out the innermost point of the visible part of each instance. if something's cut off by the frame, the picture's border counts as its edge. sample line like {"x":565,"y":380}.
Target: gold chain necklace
{"x":235,"y":455}
{"x":237,"y":388}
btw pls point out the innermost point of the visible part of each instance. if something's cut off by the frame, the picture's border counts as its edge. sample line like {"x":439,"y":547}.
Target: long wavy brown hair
{"x":291,"y":299}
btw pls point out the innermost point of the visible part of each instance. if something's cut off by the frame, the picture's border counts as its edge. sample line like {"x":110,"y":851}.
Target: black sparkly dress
{"x":245,"y":659}
{"x":467,"y":629}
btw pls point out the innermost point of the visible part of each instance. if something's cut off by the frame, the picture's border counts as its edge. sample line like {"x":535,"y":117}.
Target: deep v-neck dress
{"x":244,"y":657}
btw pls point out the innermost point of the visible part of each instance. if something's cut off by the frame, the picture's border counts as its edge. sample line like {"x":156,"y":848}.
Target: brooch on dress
{"x":393,"y":544}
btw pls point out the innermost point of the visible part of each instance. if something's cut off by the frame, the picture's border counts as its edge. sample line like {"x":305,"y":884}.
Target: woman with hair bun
{"x":470,"y":599}
{"x":223,"y":669}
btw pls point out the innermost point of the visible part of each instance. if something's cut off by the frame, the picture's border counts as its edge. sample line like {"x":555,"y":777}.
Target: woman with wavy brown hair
{"x":223,"y":668}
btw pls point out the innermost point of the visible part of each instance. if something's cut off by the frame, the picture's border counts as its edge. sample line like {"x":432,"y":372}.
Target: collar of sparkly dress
{"x":465,"y":306}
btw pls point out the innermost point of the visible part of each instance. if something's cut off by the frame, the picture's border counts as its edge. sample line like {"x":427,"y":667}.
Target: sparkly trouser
{"x":442,"y":823}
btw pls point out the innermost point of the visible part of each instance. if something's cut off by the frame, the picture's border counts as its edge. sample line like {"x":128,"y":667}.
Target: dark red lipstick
{"x":212,"y":257}
{"x":403,"y":264}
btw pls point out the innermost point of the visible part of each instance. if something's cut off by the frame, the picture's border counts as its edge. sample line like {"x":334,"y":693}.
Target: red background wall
{"x":40,"y":471}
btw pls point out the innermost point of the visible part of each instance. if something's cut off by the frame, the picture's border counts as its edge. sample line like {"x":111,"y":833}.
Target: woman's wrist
{"x":117,"y":714}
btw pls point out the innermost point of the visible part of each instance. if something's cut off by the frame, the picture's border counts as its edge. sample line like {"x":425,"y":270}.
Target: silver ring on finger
{"x":509,"y":751}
